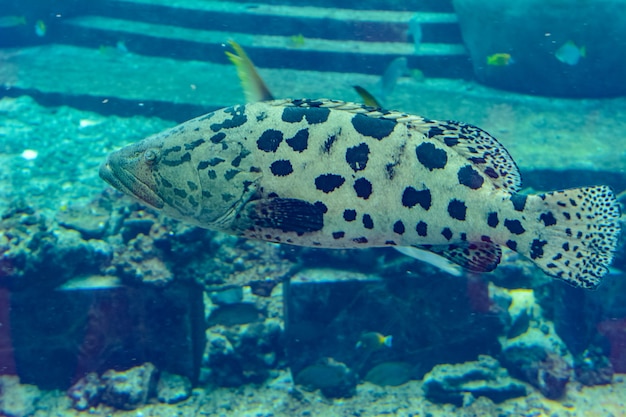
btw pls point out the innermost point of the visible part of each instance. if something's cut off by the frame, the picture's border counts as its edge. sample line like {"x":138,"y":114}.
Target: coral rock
{"x":172,"y":388}
{"x":129,"y":389}
{"x":16,"y":400}
{"x":459,"y":384}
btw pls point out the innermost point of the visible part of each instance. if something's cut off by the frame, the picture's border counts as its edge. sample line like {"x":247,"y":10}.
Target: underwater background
{"x":109,"y":308}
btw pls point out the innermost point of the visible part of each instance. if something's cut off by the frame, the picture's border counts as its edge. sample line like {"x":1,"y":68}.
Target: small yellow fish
{"x":500,"y":59}
{"x":296,"y":41}
{"x":40,"y":28}
{"x":367,"y":97}
{"x":373,"y":341}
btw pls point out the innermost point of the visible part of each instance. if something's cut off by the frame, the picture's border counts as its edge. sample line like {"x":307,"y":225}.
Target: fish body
{"x":327,"y":173}
{"x":500,"y":59}
{"x":40,"y":28}
{"x":373,"y":341}
{"x":569,"y":53}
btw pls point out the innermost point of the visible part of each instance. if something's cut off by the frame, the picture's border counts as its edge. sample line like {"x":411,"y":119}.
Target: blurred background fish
{"x":500,"y":59}
{"x":387,"y":83}
{"x":569,"y":53}
{"x":415,"y":31}
{"x":373,"y":341}
{"x":40,"y":28}
{"x":12,"y":21}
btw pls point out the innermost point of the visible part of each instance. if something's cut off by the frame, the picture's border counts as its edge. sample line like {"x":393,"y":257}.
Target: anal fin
{"x":473,"y":256}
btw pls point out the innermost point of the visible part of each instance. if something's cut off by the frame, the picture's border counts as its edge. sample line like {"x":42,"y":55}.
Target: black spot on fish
{"x":398,"y":227}
{"x":167,"y":151}
{"x":491,"y":173}
{"x":180,"y":193}
{"x":270,"y":140}
{"x":212,"y":174}
{"x":391,"y":171}
{"x":338,"y":235}
{"x":329,"y":182}
{"x":372,"y":126}
{"x":457,"y":209}
{"x":447,"y":233}
{"x":514,"y":226}
{"x":349,"y":215}
{"x":492,"y":219}
{"x":192,"y":201}
{"x":312,"y":115}
{"x":548,"y":218}
{"x":412,"y":197}
{"x":230,"y":174}
{"x":361,"y":239}
{"x":368,"y":223}
{"x":511,"y":244}
{"x":328,"y":143}
{"x":321,"y":206}
{"x":470,"y":178}
{"x":390,"y":242}
{"x":300,"y":140}
{"x":255,"y":169}
{"x":184,"y":158}
{"x":357,"y":156}
{"x":215,"y":161}
{"x":421,"y":228}
{"x":451,"y":141}
{"x":193,"y":145}
{"x":434,"y":131}
{"x":565,"y":247}
{"x":363,"y":188}
{"x":166,"y":183}
{"x":536,"y":248}
{"x":202,"y":165}
{"x":217,"y":138}
{"x":207,"y":194}
{"x":237,"y":161}
{"x":519,"y":201}
{"x":238,"y":118}
{"x":281,"y":168}
{"x":192,"y":185}
{"x":430,"y":156}
{"x":227,"y":197}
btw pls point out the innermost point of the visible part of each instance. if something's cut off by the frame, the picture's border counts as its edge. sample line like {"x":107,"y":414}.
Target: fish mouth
{"x":124,"y":181}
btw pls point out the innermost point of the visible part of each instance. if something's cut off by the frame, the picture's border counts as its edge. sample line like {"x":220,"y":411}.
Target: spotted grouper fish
{"x":333,"y":174}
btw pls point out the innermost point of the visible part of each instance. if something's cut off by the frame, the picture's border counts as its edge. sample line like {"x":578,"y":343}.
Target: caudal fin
{"x":577,"y":234}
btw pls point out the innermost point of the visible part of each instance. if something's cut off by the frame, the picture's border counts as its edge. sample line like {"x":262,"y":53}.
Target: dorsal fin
{"x":480,"y":148}
{"x":253,"y":85}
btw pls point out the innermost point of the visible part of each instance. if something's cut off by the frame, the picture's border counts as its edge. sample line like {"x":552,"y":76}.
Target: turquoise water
{"x":110,"y":307}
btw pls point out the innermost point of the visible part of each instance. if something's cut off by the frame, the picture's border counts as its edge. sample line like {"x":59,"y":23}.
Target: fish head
{"x":193,"y":172}
{"x":160,"y":179}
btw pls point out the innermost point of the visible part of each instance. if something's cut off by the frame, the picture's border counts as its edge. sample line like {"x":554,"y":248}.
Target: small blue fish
{"x":570,"y":54}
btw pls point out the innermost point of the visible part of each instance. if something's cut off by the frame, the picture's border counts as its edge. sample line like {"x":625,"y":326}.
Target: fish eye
{"x":150,"y":156}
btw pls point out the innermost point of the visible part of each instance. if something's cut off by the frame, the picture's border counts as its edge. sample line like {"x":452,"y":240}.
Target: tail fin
{"x":577,"y":235}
